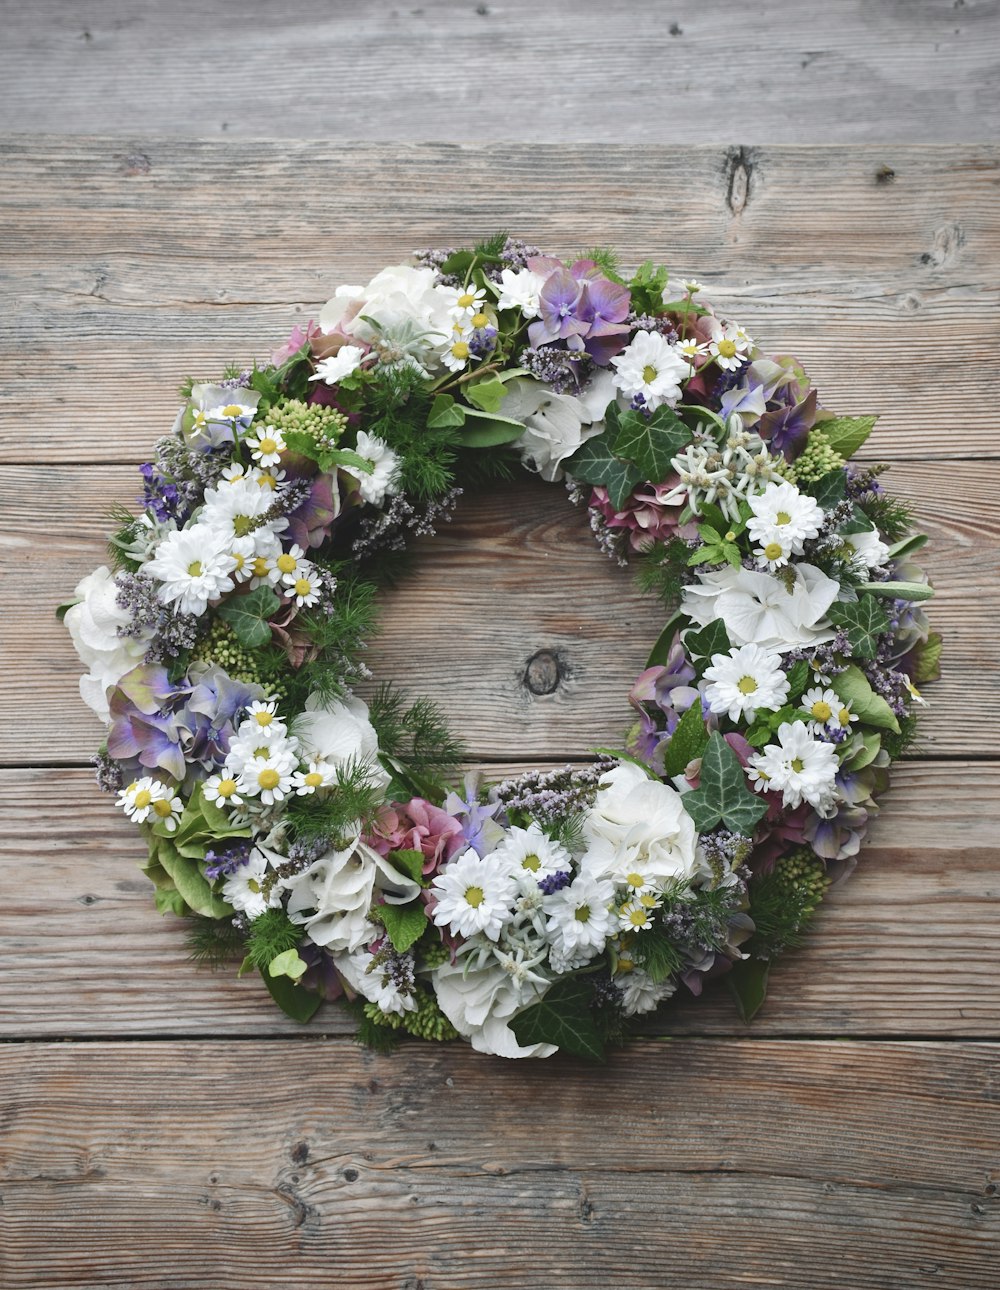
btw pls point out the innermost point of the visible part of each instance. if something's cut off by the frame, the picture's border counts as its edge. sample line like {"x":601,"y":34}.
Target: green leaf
{"x":497,"y":430}
{"x":858,"y":523}
{"x":708,"y":640}
{"x":748,"y":985}
{"x":299,"y":1004}
{"x":170,"y":901}
{"x":660,"y":652}
{"x":563,"y":1016}
{"x":619,"y":754}
{"x":409,"y":862}
{"x":651,"y":444}
{"x":899,"y":590}
{"x":798,"y":680}
{"x":854,"y":688}
{"x":193,"y":887}
{"x":871,"y":743}
{"x":847,"y":434}
{"x":287,"y":963}
{"x":405,"y":924}
{"x":487,"y":395}
{"x":829,"y":490}
{"x":928,"y":660}
{"x":687,"y":742}
{"x":445,"y":413}
{"x":594,"y":462}
{"x":907,"y":546}
{"x":63,"y":610}
{"x":723,"y":795}
{"x":863,"y":620}
{"x":247,"y":616}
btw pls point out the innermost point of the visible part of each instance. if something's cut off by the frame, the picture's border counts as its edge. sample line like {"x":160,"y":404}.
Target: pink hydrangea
{"x":417,"y":825}
{"x":295,"y":341}
{"x":646,"y":514}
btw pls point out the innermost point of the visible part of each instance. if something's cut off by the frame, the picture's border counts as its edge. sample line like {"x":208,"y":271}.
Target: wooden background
{"x":164,"y":1127}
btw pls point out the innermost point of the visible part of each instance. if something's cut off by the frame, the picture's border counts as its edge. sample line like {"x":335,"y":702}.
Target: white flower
{"x":244,"y":888}
{"x":230,"y":405}
{"x":531,"y":856}
{"x":148,"y":797}
{"x":304,"y":586}
{"x":262,"y":723}
{"x":193,"y":567}
{"x":774,"y":554}
{"x":93,"y":624}
{"x":374,"y":983}
{"x":332,"y":897}
{"x":340,"y":734}
{"x":553,"y":425}
{"x":222,"y":789}
{"x":640,"y":993}
{"x":781,"y":513}
{"x":474,"y":894}
{"x":244,"y":552}
{"x":745,"y":680}
{"x":637,"y":827}
{"x":268,"y":777}
{"x":581,"y":917}
{"x":729,"y":345}
{"x":456,"y":354}
{"x":407,"y":306}
{"x":266,"y":446}
{"x":690,"y":349}
{"x":758,"y":608}
{"x":798,"y":767}
{"x":869,"y":549}
{"x":288,"y":564}
{"x":237,"y":510}
{"x":464,"y":301}
{"x":333,"y":370}
{"x":650,"y":366}
{"x":480,"y":1003}
{"x":636,"y":915}
{"x":519,"y":289}
{"x":319,"y":775}
{"x":826,"y":709}
{"x":692,"y":287}
{"x":383,"y":478}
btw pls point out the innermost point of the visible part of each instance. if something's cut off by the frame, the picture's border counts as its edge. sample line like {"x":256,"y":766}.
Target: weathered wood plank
{"x":514,"y":573}
{"x":910,"y":945}
{"x":127,"y":269}
{"x":876,"y":1159}
{"x":833,"y":73}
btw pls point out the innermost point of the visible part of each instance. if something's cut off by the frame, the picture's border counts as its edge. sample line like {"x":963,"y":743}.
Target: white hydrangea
{"x":93,"y":626}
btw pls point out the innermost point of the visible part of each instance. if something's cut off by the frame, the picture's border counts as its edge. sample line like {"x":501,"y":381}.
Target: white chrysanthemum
{"x":758,"y":608}
{"x":237,"y":509}
{"x":798,"y":767}
{"x":474,"y":894}
{"x":782,"y":514}
{"x":581,"y":917}
{"x":744,"y":681}
{"x":193,"y":567}
{"x":520,"y":289}
{"x":333,"y":370}
{"x":222,"y":789}
{"x":266,"y":445}
{"x":640,"y":993}
{"x":729,"y":346}
{"x":826,"y":709}
{"x":650,"y":366}
{"x":244,"y":889}
{"x":268,"y":777}
{"x":531,"y":856}
{"x":384,"y":477}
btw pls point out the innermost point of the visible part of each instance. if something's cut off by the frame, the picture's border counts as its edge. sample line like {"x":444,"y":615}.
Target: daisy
{"x":268,"y":777}
{"x":221,"y":789}
{"x":304,"y":587}
{"x":474,"y":894}
{"x":193,"y":567}
{"x":826,"y":710}
{"x":261,"y":722}
{"x":690,"y":349}
{"x":635,"y":917}
{"x":457,"y":355}
{"x":532,"y":855}
{"x":692,"y":287}
{"x":464,"y":301}
{"x":333,"y":370}
{"x":773,"y":554}
{"x":319,"y":775}
{"x":782,"y":514}
{"x":744,"y":681}
{"x":243,"y":551}
{"x":245,"y":888}
{"x":148,"y":799}
{"x":234,"y":409}
{"x":238,"y":509}
{"x":266,"y":446}
{"x":798,"y":767}
{"x":729,"y":346}
{"x":289,"y":564}
{"x":581,"y":916}
{"x":652,"y":367}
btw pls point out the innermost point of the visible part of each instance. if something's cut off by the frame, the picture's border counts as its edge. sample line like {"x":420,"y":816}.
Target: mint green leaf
{"x":748,"y":985}
{"x":562,"y":1016}
{"x":409,"y":862}
{"x":287,"y":963}
{"x":863,"y":620}
{"x":247,"y":616}
{"x":847,"y":434}
{"x":194,"y":888}
{"x":651,"y":445}
{"x":871,"y":743}
{"x":854,"y":688}
{"x":445,"y":413}
{"x":723,"y":795}
{"x":487,"y":395}
{"x":299,"y":1004}
{"x":907,"y":546}
{"x":899,"y":590}
{"x":687,"y":742}
{"x":497,"y":429}
{"x":170,"y":901}
{"x":404,"y":923}
{"x":594,"y":462}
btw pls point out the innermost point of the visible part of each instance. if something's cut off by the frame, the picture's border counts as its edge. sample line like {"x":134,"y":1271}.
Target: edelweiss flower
{"x":650,"y":366}
{"x":798,"y":767}
{"x":474,"y":894}
{"x":193,"y":567}
{"x":784,"y":515}
{"x":745,"y":680}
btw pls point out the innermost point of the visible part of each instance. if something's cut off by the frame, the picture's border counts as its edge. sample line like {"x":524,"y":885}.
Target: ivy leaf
{"x":408,"y":861}
{"x":702,"y":644}
{"x":853,"y":687}
{"x":298,"y":1003}
{"x":595,"y":462}
{"x":863,"y":620}
{"x":487,"y":395}
{"x":847,"y":434}
{"x":831,"y":489}
{"x":723,"y":795}
{"x":405,"y":924}
{"x":563,"y":1016}
{"x":651,"y":444}
{"x":858,"y":523}
{"x":687,"y":742}
{"x":247,"y":616}
{"x":748,"y":985}
{"x":445,"y":413}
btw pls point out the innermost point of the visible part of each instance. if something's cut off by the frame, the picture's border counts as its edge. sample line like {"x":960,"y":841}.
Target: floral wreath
{"x":330,"y":843}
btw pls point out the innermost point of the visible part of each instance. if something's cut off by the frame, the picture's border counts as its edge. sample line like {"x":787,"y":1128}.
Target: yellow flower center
{"x":267,"y":481}
{"x":194,"y":569}
{"x":227,"y":787}
{"x":143,"y":798}
{"x":648,"y":902}
{"x":726,"y":348}
{"x":637,"y":917}
{"x":259,"y":567}
{"x":746,"y":685}
{"x":242,"y":525}
{"x":254,"y":885}
{"x":844,"y":716}
{"x":782,"y":517}
{"x":531,"y":863}
{"x":635,"y":880}
{"x":582,"y":913}
{"x":772,"y":551}
{"x":314,"y":779}
{"x":797,"y":764}
{"x":649,"y":374}
{"x":263,"y":718}
{"x":268,"y":778}
{"x":302,"y":586}
{"x":460,"y":349}
{"x":821,"y":710}
{"x":240,"y":561}
{"x":232,"y":410}
{"x":474,"y":896}
{"x":466,"y":299}
{"x":730,"y":536}
{"x":162,"y":808}
{"x":287,"y":563}
{"x":267,"y":446}
{"x":262,"y":751}
{"x":480,"y":320}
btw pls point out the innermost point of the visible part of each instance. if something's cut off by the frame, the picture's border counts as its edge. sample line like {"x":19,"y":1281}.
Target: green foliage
{"x":404,"y":924}
{"x":606,"y":259}
{"x":338,"y":639}
{"x":596,"y":462}
{"x":701,"y":645}
{"x":271,"y":933}
{"x":928,"y":660}
{"x":658,"y":954}
{"x":213,"y":942}
{"x":747,"y":982}
{"x":854,"y":688}
{"x":901,"y":740}
{"x":688,"y":741}
{"x":647,"y":286}
{"x":830,"y":489}
{"x":723,"y":796}
{"x":247,"y":616}
{"x":294,"y":1000}
{"x":333,"y":814}
{"x":845,"y":435}
{"x":427,"y":1021}
{"x":662,"y":569}
{"x":650,"y":443}
{"x":127,"y":529}
{"x":563,"y":1016}
{"x":414,"y":738}
{"x":891,"y":516}
{"x":864,"y":620}
{"x":783,"y":902}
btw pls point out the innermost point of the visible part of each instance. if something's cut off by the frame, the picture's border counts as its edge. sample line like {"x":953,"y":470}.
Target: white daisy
{"x":268,"y":777}
{"x":244,"y":551}
{"x":826,"y":709}
{"x":531,"y":855}
{"x":773,"y":554}
{"x":581,"y":917}
{"x":237,"y":509}
{"x":383,"y":479}
{"x":266,"y":446}
{"x":236,"y":408}
{"x":244,"y":889}
{"x":690,"y":349}
{"x":474,"y":894}
{"x":221,"y":789}
{"x":520,"y":289}
{"x":288,"y":564}
{"x":261,"y":722}
{"x":692,"y":287}
{"x":744,"y":681}
{"x":333,"y":370}
{"x":465,"y":301}
{"x":798,"y":767}
{"x":457,"y":354}
{"x":636,"y":915}
{"x":319,"y":775}
{"x":650,"y":366}
{"x":303,"y":587}
{"x":136,"y":799}
{"x":729,"y":346}
{"x":782,"y":514}
{"x":193,"y":567}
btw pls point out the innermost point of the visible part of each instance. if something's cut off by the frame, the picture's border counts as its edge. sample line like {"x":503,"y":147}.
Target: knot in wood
{"x":542,"y":673}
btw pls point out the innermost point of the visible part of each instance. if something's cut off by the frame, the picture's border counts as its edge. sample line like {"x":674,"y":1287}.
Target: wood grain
{"x":910,"y":945}
{"x":599,"y":70}
{"x":126,"y":270}
{"x":733,"y":1164}
{"x":513,"y":574}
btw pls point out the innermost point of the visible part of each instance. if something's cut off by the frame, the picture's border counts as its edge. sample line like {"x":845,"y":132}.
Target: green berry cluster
{"x":817,"y":459}
{"x":427,"y":1022}
{"x":220,"y":646}
{"x":802,"y":876}
{"x":324,"y":424}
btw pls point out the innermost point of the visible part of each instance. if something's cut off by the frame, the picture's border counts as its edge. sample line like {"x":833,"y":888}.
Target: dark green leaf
{"x":687,"y":742}
{"x":798,"y":680}
{"x":863,"y":620}
{"x":247,"y":616}
{"x":708,"y":640}
{"x":858,"y":523}
{"x":563,"y":1016}
{"x":63,"y":610}
{"x":298,"y":1003}
{"x":847,"y":434}
{"x":405,"y":924}
{"x":493,"y":431}
{"x":660,"y":652}
{"x":594,"y":462}
{"x":651,"y":444}
{"x":829,"y":490}
{"x":459,"y":263}
{"x":748,"y":984}
{"x":723,"y":795}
